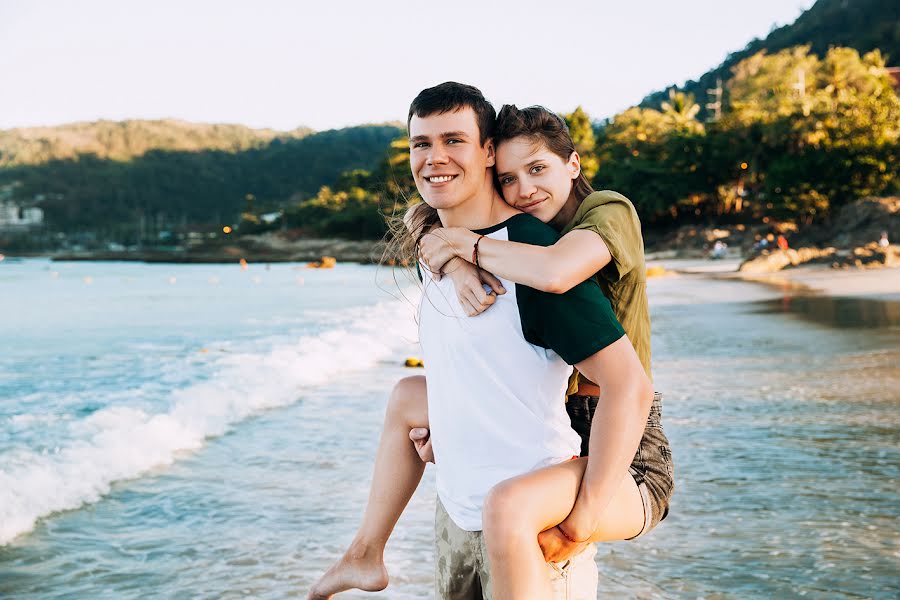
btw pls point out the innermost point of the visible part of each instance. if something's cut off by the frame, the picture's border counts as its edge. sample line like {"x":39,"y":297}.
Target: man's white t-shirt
{"x":497,"y":381}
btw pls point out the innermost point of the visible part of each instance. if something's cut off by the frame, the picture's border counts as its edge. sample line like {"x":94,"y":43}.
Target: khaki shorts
{"x":461,"y":570}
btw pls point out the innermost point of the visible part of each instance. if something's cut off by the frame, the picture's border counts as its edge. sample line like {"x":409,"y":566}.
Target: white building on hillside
{"x":13,"y":216}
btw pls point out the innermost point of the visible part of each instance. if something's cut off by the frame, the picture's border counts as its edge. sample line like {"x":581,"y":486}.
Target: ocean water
{"x":203,"y":431}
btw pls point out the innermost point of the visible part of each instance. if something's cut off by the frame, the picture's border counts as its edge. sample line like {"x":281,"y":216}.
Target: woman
{"x":538,"y":171}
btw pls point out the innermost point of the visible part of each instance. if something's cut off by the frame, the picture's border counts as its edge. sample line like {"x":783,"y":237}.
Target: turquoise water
{"x":185,"y":431}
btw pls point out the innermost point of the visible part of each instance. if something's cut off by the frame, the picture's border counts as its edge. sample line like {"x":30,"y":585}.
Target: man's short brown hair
{"x":450,"y":97}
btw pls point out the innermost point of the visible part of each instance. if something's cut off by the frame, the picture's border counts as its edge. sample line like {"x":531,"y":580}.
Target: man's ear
{"x":491,"y":156}
{"x":573,"y":165}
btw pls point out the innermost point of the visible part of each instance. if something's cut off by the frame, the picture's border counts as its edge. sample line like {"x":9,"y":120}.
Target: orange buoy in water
{"x":327,"y":262}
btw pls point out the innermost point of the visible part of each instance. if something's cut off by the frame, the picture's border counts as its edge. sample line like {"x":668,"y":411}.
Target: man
{"x":496,"y":382}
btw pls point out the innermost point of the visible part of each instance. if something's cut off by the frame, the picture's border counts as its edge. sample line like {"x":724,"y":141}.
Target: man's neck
{"x":483,"y":210}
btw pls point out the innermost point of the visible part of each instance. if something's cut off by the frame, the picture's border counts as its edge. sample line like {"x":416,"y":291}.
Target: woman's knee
{"x":505,"y":514}
{"x":409,"y":401}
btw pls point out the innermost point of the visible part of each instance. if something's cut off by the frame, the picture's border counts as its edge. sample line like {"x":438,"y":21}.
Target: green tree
{"x":681,"y":108}
{"x":653,"y":158}
{"x":817,"y":133}
{"x":582,"y":131}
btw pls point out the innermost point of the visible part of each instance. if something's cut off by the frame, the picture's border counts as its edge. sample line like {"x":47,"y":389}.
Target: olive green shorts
{"x":461,"y":570}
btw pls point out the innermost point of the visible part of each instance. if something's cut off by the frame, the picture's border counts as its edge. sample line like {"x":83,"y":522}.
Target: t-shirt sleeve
{"x":613,"y":218}
{"x":576,"y":324}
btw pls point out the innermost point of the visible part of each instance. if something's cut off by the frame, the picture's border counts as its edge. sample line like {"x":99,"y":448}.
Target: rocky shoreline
{"x":851,"y":240}
{"x":266,"y":248}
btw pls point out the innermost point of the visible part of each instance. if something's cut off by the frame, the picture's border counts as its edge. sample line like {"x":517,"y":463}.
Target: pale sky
{"x":283,"y":64}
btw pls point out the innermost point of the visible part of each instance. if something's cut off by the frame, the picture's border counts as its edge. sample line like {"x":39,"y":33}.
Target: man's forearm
{"x":616,"y":430}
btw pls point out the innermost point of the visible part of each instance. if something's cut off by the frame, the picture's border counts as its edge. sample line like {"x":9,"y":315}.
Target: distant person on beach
{"x":496,"y":383}
{"x":718,"y":250}
{"x":782,"y":242}
{"x":883,"y":241}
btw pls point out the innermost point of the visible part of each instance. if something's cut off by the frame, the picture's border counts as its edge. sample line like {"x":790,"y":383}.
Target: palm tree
{"x":680,"y":107}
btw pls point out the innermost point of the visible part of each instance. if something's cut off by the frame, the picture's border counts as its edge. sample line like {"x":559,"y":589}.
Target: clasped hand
{"x":571,"y":536}
{"x":557,"y":547}
{"x":436,"y":248}
{"x":442,"y":257}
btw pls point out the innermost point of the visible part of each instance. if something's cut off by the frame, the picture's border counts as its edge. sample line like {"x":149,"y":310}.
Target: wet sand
{"x":883,"y":284}
{"x":877,"y":283}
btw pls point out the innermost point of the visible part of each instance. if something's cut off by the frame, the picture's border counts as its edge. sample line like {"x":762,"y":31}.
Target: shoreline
{"x":819,"y":280}
{"x":813,"y":279}
{"x":253,"y":249}
{"x":882,"y":284}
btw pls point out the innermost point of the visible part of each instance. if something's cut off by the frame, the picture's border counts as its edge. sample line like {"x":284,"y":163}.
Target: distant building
{"x":269,"y":218}
{"x":16,"y":217}
{"x":33,"y":215}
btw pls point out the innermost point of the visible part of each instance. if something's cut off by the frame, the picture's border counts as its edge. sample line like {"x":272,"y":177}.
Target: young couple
{"x":518,"y":510}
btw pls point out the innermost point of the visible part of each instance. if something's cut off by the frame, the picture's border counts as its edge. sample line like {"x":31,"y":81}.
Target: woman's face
{"x":534,"y":179}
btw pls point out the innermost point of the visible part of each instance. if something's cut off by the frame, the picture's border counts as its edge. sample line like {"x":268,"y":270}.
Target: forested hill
{"x":860,"y":24}
{"x":98,"y":176}
{"x":125,"y":140}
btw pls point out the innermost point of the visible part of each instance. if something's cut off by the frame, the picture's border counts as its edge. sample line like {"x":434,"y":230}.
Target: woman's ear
{"x":574,"y":164}
{"x":491,"y":155}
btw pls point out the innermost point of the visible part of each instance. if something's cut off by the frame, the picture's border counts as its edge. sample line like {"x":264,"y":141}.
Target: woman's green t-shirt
{"x":624,"y":280}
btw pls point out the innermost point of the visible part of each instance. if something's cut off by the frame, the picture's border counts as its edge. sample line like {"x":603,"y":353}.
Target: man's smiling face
{"x":448,"y":162}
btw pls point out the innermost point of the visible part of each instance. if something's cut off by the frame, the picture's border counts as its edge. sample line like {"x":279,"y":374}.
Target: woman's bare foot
{"x":358,"y":568}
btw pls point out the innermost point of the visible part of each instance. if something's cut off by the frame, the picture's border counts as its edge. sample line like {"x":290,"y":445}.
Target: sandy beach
{"x":883,"y":284}
{"x":877,"y":283}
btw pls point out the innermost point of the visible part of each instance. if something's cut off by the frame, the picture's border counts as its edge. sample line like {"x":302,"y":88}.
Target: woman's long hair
{"x":405,"y":231}
{"x":543,"y":126}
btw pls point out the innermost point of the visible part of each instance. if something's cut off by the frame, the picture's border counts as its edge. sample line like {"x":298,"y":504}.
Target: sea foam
{"x":121,"y":442}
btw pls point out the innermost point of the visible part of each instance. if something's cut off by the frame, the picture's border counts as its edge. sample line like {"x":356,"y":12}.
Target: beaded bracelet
{"x":475,"y":252}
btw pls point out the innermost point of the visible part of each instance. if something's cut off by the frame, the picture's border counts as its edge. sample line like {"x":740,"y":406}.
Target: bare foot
{"x":355,"y":570}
